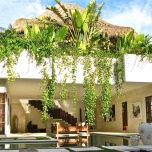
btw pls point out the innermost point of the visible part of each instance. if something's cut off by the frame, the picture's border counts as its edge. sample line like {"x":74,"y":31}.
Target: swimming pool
{"x":93,"y":140}
{"x":107,"y":140}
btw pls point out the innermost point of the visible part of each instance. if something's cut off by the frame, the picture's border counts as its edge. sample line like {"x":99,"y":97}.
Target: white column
{"x":7,"y":119}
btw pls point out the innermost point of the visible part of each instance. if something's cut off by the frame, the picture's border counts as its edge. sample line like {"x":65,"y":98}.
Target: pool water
{"x":107,"y":140}
{"x":93,"y":140}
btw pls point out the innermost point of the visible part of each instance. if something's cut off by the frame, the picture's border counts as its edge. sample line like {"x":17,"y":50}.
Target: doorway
{"x":148,"y":109}
{"x":2,"y":113}
{"x":15,"y":124}
{"x":124,"y":115}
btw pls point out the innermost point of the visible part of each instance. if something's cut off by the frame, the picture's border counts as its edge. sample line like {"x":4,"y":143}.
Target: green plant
{"x":104,"y":73}
{"x":11,"y":45}
{"x":89,"y":91}
{"x":119,"y":75}
{"x":42,"y":43}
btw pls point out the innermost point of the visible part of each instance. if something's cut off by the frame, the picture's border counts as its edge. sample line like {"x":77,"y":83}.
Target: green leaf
{"x":130,"y":36}
{"x":35,"y":29}
{"x":52,"y":36}
{"x":26,"y":32}
{"x":51,"y":33}
{"x":73,"y":17}
{"x":61,"y":33}
{"x":78,"y":18}
{"x":84,"y":14}
{"x":58,"y":1}
{"x":85,"y":27}
{"x":139,"y":38}
{"x":82,"y":45}
{"x":118,"y":44}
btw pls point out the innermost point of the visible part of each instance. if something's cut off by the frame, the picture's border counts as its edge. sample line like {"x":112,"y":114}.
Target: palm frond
{"x":63,"y":7}
{"x":57,"y":12}
{"x":99,"y":12}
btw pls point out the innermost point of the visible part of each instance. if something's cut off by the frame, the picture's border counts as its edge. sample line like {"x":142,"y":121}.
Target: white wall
{"x":71,"y":108}
{"x":35,"y":116}
{"x":136,"y":69}
{"x":27,"y":68}
{"x":26,"y":113}
{"x":137,"y":95}
{"x":18,"y":111}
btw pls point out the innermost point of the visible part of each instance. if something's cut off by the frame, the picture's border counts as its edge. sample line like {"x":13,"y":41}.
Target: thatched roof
{"x":21,"y":23}
{"x":110,"y":29}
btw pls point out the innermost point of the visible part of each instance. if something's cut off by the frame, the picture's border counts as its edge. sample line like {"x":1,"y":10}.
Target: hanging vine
{"x":64,"y":70}
{"x":74,"y":89}
{"x":11,"y":45}
{"x":12,"y":75}
{"x":49,"y":85}
{"x":89,"y":91}
{"x":104,"y":72}
{"x":64,"y":89}
{"x":119,"y":75}
{"x":45,"y":95}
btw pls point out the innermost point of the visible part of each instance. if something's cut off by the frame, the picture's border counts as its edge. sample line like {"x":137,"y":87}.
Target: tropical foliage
{"x":76,"y":39}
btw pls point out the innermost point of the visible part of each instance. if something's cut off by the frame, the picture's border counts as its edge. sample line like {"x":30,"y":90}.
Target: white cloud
{"x":10,"y":10}
{"x":135,"y":14}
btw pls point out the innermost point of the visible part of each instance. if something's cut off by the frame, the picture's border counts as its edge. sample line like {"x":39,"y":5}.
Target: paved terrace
{"x":118,"y":134}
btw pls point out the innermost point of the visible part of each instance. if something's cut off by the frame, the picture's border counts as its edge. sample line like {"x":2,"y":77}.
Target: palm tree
{"x":82,"y":25}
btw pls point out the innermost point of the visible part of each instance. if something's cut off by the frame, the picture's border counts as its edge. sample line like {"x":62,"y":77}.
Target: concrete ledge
{"x":9,"y":150}
{"x":36,"y":150}
{"x":86,"y":149}
{"x":53,"y":150}
{"x":145,"y":147}
{"x":123,"y":148}
{"x":26,"y":140}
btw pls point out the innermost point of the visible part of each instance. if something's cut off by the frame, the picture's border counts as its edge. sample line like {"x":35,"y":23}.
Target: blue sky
{"x":134,"y":13}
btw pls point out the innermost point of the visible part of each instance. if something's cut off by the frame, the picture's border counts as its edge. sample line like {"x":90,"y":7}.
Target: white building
{"x":129,"y":111}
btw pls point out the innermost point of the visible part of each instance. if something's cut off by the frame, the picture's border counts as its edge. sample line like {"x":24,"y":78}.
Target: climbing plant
{"x":10,"y":48}
{"x":42,"y":44}
{"x":63,"y":44}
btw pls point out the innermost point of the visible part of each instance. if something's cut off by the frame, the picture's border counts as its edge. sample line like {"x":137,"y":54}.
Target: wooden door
{"x":124,"y":115}
{"x":2,"y":113}
{"x":148,"y":109}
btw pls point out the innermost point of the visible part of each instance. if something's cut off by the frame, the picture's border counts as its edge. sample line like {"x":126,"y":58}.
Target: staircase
{"x":56,"y":113}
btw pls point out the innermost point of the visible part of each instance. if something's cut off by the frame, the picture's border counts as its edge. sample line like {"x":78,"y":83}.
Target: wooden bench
{"x":58,"y":128}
